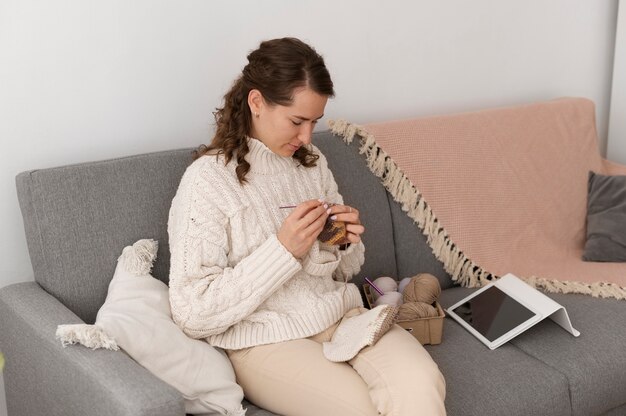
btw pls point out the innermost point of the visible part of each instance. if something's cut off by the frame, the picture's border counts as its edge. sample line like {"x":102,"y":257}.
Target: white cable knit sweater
{"x":231,"y":280}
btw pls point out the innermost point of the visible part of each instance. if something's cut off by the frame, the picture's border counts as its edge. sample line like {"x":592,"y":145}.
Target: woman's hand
{"x":350,"y":216}
{"x":301,"y":228}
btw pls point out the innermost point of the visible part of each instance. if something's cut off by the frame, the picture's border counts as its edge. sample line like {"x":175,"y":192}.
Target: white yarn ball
{"x":386,"y":284}
{"x":389,"y":298}
{"x":403,"y":284}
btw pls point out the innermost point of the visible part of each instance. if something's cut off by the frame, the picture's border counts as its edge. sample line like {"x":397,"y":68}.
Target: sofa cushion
{"x":595,"y":362}
{"x":77,"y":217}
{"x":364,"y":191}
{"x":606,"y":218}
{"x":592,"y":364}
{"x":616,"y":411}
{"x":413,"y":254}
{"x":506,"y":381}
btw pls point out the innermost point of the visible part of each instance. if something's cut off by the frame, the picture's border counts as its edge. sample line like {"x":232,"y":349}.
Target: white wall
{"x":617,"y":125}
{"x":84,"y":80}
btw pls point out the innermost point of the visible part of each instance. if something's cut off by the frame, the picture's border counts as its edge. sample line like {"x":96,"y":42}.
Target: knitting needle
{"x":380,"y":292}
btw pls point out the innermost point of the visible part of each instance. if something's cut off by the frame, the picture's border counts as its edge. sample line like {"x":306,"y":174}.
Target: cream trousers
{"x":396,"y":376}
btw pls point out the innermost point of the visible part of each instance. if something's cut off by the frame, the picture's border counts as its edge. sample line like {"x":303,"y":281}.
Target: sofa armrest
{"x":43,"y":378}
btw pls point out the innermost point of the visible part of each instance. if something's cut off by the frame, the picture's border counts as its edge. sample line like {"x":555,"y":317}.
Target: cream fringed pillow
{"x":136,"y":317}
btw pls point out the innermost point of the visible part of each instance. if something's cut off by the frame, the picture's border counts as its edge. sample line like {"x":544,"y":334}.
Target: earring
{"x":256,"y":115}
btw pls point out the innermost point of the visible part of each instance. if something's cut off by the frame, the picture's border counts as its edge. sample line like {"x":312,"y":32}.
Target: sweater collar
{"x":263,"y":160}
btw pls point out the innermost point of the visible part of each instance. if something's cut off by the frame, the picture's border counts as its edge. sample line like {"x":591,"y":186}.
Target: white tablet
{"x":505,"y":308}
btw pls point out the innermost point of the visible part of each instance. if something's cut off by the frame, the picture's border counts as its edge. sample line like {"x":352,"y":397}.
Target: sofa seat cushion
{"x":506,"y":381}
{"x":593,"y":364}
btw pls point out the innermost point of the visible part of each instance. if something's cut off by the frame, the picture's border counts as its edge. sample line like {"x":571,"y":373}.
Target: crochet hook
{"x":380,"y":292}
{"x":330,"y":204}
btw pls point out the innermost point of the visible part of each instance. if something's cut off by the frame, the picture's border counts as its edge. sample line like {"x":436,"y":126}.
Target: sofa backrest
{"x":78,"y":218}
{"x":394,"y":245}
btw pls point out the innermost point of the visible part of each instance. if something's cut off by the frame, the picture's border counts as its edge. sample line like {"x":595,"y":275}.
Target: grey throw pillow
{"x":606,"y":219}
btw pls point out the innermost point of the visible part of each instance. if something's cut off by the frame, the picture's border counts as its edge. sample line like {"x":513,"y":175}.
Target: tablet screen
{"x":493,"y":313}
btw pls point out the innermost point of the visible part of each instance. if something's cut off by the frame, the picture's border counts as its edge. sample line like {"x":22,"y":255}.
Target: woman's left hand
{"x":350,"y":216}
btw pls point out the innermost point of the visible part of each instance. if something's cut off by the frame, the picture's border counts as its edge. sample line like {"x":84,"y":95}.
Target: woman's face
{"x":283,"y":129}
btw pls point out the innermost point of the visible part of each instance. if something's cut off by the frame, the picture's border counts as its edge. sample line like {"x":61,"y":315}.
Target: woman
{"x":249,"y":275}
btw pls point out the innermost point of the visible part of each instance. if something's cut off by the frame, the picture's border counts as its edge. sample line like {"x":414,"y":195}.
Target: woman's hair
{"x":277,"y":68}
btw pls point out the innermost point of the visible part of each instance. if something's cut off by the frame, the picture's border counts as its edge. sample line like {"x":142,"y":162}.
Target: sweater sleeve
{"x":350,"y":260}
{"x":207,"y":296}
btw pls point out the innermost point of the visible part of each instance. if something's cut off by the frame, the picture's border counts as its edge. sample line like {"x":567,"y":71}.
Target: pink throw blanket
{"x":499,"y":191}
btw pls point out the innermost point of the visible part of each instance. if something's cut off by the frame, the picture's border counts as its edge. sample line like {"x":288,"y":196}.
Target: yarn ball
{"x":403,"y":284}
{"x":333,"y":232}
{"x":416,"y":310}
{"x":386,"y":284}
{"x":422,"y":288}
{"x":389,"y":298}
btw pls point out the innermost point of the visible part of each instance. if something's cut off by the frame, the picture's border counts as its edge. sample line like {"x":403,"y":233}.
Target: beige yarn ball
{"x":422,"y":288}
{"x":416,"y":310}
{"x":389,"y":298}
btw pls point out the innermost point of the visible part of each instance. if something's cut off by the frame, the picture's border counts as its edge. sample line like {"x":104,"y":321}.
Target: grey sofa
{"x":78,"y":218}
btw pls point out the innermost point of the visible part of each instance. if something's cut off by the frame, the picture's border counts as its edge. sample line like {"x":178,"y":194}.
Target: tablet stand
{"x":540,"y":305}
{"x":538,"y":302}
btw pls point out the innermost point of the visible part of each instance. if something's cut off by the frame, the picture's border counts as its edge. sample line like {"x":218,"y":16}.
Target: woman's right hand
{"x":301,"y":228}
